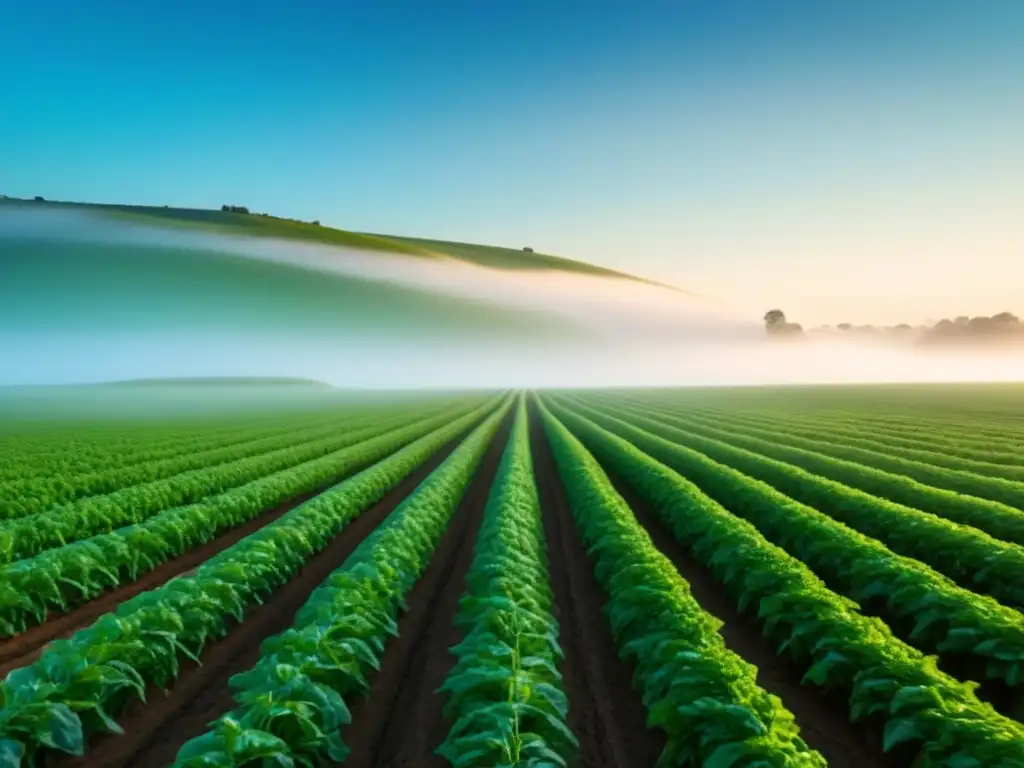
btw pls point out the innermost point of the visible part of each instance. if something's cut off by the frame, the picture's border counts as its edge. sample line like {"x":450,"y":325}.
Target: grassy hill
{"x":219,"y":381}
{"x":262,"y":225}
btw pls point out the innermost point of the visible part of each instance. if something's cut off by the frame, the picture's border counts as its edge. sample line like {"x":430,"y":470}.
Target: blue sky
{"x":833,"y":158}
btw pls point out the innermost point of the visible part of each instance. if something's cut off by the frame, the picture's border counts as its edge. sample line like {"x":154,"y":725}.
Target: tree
{"x":963,"y":320}
{"x":775,"y":324}
{"x":528,"y":249}
{"x":1005,"y":317}
{"x":40,"y":199}
{"x":844,"y":326}
{"x":774,"y":318}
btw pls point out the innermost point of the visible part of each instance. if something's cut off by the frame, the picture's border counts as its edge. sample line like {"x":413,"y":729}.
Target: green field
{"x":788,"y":576}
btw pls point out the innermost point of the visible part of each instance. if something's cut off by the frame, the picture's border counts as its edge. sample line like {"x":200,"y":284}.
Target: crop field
{"x":745,"y":578}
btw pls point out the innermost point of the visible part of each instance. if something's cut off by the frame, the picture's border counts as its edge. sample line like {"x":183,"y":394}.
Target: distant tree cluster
{"x":866,"y":330}
{"x":1001,"y":327}
{"x":776,"y":325}
{"x":234,"y":209}
{"x":1004,"y":326}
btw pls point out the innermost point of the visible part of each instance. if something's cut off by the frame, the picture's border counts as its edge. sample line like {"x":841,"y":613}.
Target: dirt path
{"x":824,"y":721}
{"x":154,"y":731}
{"x":605,"y":713}
{"x":400,"y":722}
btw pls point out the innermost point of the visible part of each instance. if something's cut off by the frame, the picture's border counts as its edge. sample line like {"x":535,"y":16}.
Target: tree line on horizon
{"x":1003,"y":326}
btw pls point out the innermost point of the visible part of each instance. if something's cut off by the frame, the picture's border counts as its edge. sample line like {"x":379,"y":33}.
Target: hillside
{"x":263,"y":225}
{"x":219,"y":381}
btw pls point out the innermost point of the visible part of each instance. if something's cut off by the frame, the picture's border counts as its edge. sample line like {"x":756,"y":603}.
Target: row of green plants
{"x":79,"y":685}
{"x":704,"y":697}
{"x":292,"y":704}
{"x":895,"y":475}
{"x":1008,"y":465}
{"x":885,"y":679}
{"x":942,"y":617}
{"x":35,"y":494}
{"x":993,"y":517}
{"x":27,"y":536}
{"x":506,"y":700}
{"x":967,"y":555}
{"x":71,"y":449}
{"x":947,"y":427}
{"x":62,"y":578}
{"x":933,"y":426}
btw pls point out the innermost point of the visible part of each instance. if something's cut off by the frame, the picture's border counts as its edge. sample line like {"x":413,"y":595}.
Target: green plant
{"x":943,"y":617}
{"x":842,"y":649}
{"x":98,"y":670}
{"x":972,"y":558}
{"x":505,"y":695}
{"x":293,"y":700}
{"x":704,"y":697}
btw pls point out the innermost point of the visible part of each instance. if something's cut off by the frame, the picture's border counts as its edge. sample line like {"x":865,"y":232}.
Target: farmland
{"x":730,"y":578}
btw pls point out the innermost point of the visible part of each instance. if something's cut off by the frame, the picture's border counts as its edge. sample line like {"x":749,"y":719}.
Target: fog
{"x":633,"y":333}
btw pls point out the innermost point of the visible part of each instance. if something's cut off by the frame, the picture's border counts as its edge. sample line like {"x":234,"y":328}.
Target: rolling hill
{"x":264,"y":225}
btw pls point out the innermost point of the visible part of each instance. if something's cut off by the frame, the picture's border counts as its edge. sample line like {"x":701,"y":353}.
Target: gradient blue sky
{"x":858,"y":161}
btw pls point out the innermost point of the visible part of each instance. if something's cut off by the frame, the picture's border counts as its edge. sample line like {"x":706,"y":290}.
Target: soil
{"x":26,"y":647}
{"x":605,"y":713}
{"x":400,"y":722}
{"x":823,"y":720}
{"x":156,"y":730}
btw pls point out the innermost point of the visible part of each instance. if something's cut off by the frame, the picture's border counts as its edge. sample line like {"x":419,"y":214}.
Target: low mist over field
{"x":87,"y":297}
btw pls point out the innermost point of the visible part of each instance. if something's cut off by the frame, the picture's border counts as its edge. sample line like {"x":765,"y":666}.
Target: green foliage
{"x":63,"y":577}
{"x":293,"y":700}
{"x":704,"y":697}
{"x":841,"y":648}
{"x":945,"y":617}
{"x":103,"y":667}
{"x":27,"y":536}
{"x":27,"y":495}
{"x":969,"y":556}
{"x":992,"y":462}
{"x":991,"y":504}
{"x":505,"y":694}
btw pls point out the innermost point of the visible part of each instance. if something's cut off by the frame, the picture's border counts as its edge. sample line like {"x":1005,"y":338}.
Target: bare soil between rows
{"x":605,"y":712}
{"x":400,"y":722}
{"x":27,"y":646}
{"x":823,"y":720}
{"x":156,"y":730}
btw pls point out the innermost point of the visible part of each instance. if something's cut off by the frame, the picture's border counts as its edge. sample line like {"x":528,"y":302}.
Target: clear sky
{"x":848,"y":161}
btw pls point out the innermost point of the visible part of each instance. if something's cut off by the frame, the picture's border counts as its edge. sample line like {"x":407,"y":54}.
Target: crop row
{"x":996,"y":519}
{"x":895,"y":474}
{"x":949,"y":427}
{"x":69,"y":456}
{"x":506,"y":699}
{"x":841,"y":648}
{"x":291,"y":704}
{"x":28,"y":536}
{"x":61,"y":578}
{"x":32,"y":495}
{"x":970,"y":557}
{"x":1008,"y":465}
{"x":941,"y":617}
{"x":703,"y":696}
{"x":999,"y":519}
{"x":79,"y":685}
